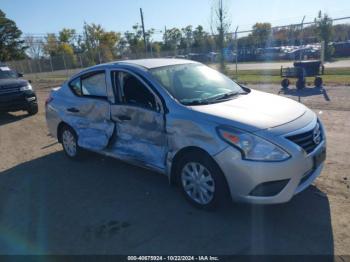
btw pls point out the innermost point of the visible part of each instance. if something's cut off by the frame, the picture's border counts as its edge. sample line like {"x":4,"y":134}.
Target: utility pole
{"x":143,"y":30}
{"x":301,"y":38}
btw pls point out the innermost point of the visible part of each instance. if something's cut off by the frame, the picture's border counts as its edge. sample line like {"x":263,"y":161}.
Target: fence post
{"x":99,"y":56}
{"x":30,"y":66}
{"x":51,"y":64}
{"x":39,"y":65}
{"x":301,"y":39}
{"x":81,"y":62}
{"x":65,"y":65}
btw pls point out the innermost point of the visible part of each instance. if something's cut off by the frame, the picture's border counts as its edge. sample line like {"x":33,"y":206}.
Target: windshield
{"x":6,"y":72}
{"x":196,"y":83}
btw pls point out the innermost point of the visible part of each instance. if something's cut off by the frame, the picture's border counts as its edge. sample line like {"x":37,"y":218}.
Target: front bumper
{"x":293,"y":175}
{"x":17,"y":101}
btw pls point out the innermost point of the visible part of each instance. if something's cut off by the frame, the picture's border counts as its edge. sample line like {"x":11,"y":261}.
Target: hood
{"x":12,"y":83}
{"x":255,"y":111}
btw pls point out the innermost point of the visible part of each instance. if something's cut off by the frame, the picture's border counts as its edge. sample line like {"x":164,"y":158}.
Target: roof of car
{"x":156,"y":62}
{"x":143,"y":63}
{"x":149,"y":63}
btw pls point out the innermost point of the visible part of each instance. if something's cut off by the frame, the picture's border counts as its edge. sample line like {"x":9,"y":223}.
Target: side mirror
{"x":20,"y":74}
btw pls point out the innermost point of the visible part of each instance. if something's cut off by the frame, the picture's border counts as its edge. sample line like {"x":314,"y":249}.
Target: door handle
{"x":124,"y":118}
{"x":73,"y":110}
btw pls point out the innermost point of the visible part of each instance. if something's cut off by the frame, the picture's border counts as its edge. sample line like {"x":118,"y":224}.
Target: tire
{"x":285,"y":83}
{"x":318,"y":82}
{"x":69,"y":140}
{"x":33,"y":109}
{"x":300,"y":84}
{"x":210,"y":187}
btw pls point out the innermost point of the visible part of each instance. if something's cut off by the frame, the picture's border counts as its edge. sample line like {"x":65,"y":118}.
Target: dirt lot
{"x":51,"y":205}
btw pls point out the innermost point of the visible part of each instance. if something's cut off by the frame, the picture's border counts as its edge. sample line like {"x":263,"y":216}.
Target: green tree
{"x":134,"y":39}
{"x":199,"y":38}
{"x":67,"y":35}
{"x":261,"y":34}
{"x":108,"y":44}
{"x":187,"y":38}
{"x":100,"y":45}
{"x":173,"y":37}
{"x":51,"y":45}
{"x":324,"y":29}
{"x":11,"y":45}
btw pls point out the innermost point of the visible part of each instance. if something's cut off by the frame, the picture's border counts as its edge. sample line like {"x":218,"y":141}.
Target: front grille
{"x":308,"y":140}
{"x":5,"y":91}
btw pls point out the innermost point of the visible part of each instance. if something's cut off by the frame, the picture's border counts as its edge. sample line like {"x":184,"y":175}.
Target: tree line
{"x":98,"y":44}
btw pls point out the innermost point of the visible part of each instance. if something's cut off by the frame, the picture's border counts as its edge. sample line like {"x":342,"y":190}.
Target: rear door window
{"x":94,"y":85}
{"x":75,"y":86}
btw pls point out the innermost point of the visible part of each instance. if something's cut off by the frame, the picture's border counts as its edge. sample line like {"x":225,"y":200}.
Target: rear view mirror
{"x":20,"y":74}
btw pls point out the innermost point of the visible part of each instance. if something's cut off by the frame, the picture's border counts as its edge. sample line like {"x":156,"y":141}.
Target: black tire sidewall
{"x":220,"y":183}
{"x":33,"y":109}
{"x":285,"y":83}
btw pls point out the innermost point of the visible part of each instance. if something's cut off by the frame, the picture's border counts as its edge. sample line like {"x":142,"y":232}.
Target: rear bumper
{"x":286,"y":178}
{"x":17,"y":101}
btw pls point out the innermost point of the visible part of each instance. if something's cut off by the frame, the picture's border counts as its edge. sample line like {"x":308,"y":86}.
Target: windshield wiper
{"x":224,"y":96}
{"x":212,"y":99}
{"x":195,"y":102}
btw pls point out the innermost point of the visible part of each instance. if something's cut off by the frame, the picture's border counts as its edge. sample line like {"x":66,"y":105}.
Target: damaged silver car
{"x":206,"y":133}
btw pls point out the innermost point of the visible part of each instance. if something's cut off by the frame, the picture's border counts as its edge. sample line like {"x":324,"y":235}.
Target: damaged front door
{"x":139,"y":118}
{"x":90,"y":113}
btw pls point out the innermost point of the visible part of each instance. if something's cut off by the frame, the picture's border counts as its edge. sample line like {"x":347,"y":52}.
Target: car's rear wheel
{"x":69,"y":141}
{"x":201,"y":181}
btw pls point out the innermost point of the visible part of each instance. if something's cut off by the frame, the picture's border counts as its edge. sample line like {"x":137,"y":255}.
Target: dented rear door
{"x":90,"y":112}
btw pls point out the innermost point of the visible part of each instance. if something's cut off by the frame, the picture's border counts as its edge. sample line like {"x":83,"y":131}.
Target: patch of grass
{"x":332,"y":76}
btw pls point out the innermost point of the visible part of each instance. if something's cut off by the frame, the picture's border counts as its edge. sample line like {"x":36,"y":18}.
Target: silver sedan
{"x":209,"y":135}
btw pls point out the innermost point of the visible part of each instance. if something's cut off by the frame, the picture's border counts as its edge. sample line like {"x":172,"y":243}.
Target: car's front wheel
{"x":201,"y":181}
{"x":33,"y":109}
{"x":69,"y":142}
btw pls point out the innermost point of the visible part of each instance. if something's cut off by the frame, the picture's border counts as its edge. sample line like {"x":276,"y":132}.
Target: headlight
{"x":27,"y":87}
{"x":253,"y":147}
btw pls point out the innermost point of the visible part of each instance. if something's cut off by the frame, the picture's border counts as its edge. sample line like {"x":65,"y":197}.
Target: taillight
{"x":48,"y":100}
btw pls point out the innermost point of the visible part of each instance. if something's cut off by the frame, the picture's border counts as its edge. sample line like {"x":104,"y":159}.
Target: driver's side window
{"x":134,"y":92}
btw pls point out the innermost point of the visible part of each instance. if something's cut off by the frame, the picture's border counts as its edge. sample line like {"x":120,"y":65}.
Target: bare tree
{"x":220,"y":21}
{"x":35,"y":46}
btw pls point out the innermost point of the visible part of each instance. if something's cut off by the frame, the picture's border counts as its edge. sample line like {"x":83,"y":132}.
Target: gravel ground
{"x":51,"y":205}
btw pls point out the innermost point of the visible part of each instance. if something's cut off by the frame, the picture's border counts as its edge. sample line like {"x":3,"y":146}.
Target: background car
{"x":16,"y":94}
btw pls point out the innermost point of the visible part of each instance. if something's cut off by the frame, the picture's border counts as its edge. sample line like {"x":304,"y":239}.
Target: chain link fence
{"x":283,"y":43}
